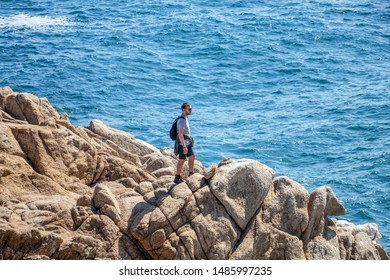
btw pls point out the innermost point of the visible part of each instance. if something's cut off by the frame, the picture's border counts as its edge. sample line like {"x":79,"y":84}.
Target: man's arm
{"x":182,"y":141}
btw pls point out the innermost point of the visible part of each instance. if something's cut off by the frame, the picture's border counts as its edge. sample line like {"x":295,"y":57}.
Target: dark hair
{"x":185,"y":104}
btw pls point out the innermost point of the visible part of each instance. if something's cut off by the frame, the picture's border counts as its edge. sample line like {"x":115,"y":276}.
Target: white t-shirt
{"x":183,"y":123}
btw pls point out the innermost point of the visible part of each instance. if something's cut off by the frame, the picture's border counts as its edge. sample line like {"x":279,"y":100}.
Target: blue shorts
{"x":190,"y":152}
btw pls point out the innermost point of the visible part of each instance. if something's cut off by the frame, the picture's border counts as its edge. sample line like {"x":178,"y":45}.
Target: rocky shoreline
{"x":99,"y":193}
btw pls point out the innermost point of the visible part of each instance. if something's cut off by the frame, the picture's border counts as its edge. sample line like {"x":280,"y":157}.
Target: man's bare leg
{"x":191,"y":164}
{"x":179,"y":167}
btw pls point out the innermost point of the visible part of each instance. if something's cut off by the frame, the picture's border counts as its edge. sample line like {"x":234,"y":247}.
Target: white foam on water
{"x":27,"y":21}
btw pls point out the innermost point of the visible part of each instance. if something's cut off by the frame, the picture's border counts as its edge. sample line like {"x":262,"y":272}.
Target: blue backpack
{"x":173,"y":131}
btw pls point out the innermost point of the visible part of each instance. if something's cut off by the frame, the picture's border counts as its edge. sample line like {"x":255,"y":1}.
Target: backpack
{"x":173,"y":131}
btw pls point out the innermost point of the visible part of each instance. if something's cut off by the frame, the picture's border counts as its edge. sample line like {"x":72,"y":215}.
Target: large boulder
{"x":241,"y":186}
{"x":322,"y":203}
{"x":216,"y":230}
{"x":285,"y":206}
{"x":262,"y":241}
{"x":123,"y":140}
{"x":29,"y":108}
{"x":57,"y":153}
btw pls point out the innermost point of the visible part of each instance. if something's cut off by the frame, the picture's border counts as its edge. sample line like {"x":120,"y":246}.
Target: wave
{"x":27,"y":21}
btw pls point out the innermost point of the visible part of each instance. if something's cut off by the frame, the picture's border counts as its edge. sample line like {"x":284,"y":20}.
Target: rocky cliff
{"x":99,"y":193}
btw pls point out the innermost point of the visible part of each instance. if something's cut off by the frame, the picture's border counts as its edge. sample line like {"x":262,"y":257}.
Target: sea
{"x":302,"y":86}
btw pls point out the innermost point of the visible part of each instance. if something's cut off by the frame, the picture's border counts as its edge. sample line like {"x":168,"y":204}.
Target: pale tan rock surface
{"x":95,"y":192}
{"x":241,"y":186}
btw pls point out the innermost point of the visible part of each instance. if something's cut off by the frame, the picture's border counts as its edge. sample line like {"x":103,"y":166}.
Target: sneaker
{"x":178,"y":179}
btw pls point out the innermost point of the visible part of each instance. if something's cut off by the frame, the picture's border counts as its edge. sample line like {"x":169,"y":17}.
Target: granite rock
{"x":95,"y":192}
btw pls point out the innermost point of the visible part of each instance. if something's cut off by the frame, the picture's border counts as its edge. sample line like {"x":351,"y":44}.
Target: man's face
{"x":189,"y":110}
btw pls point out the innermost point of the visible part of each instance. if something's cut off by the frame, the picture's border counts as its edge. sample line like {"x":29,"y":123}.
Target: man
{"x":184,"y":142}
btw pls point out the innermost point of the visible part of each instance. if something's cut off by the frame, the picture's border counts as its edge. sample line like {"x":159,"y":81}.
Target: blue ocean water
{"x":302,"y":86}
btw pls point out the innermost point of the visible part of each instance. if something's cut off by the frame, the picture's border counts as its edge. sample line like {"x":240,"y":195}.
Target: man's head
{"x":186,"y":109}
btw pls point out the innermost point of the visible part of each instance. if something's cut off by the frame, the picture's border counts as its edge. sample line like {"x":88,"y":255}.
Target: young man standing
{"x":184,"y":142}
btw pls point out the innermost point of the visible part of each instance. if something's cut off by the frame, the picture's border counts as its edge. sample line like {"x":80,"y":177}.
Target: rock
{"x":370,"y":229}
{"x":322,"y":203}
{"x":164,"y":171}
{"x":210,"y":172}
{"x":103,"y":196}
{"x":119,"y":168}
{"x":354,"y":243}
{"x":363,"y":248}
{"x":241,"y":186}
{"x":99,"y":193}
{"x":216,"y":231}
{"x":321,"y":249}
{"x":84,"y":200}
{"x":8,"y":144}
{"x":155,"y":161}
{"x":57,"y":153}
{"x":144,"y":188}
{"x":124,"y":140}
{"x":27,"y":242}
{"x":195,"y":182}
{"x":5,"y":91}
{"x":285,"y":206}
{"x":27,"y":107}
{"x":264,"y":242}
{"x":198,"y":168}
{"x":191,"y":243}
{"x":325,"y":245}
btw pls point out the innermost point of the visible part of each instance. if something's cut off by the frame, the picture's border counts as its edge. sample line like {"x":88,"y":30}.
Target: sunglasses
{"x":189,"y":109}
